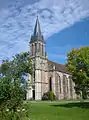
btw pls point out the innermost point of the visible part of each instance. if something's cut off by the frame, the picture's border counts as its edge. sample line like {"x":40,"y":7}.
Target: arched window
{"x":32,"y":49}
{"x":60,"y":84}
{"x":42,"y":50}
{"x":57,"y":86}
{"x":39,"y":47}
{"x":64,"y":86}
{"x":50,"y":84}
{"x":71,"y":90}
{"x":35,"y":48}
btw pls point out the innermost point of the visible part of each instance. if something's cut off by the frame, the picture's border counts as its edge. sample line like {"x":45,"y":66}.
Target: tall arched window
{"x":39,"y":48}
{"x":60,"y":84}
{"x":71,"y":90}
{"x":64,"y":86}
{"x":32,"y":49}
{"x":35,"y":48}
{"x":42,"y":50}
{"x":50,"y":84}
{"x":57,"y":86}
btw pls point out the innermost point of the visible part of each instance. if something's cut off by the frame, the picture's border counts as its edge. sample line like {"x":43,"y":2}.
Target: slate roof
{"x":58,"y":67}
{"x":37,"y":35}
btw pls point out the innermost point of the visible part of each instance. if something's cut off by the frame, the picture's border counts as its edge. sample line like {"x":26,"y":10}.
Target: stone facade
{"x":47,"y":75}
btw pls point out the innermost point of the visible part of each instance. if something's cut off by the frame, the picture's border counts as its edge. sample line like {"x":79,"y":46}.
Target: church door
{"x":33,"y":94}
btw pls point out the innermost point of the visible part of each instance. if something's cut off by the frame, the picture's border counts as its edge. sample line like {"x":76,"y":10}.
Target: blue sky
{"x":64,"y":24}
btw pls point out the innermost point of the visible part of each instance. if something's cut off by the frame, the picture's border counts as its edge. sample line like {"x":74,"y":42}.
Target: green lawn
{"x":60,"y":110}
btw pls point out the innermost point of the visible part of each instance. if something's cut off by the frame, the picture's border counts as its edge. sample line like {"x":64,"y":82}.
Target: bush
{"x":48,"y":96}
{"x":12,"y":100}
{"x":19,"y":114}
{"x":52,"y":96}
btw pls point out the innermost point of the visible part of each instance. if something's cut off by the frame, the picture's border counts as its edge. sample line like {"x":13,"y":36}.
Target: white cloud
{"x":16,"y":24}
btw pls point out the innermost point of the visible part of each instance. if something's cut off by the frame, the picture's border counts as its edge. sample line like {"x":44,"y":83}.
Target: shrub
{"x":12,"y":100}
{"x":52,"y":96}
{"x":19,"y":114}
{"x":48,"y":96}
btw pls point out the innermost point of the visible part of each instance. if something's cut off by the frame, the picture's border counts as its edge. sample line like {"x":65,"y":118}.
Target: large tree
{"x":18,"y":66}
{"x":12,"y":85}
{"x":78,"y":65}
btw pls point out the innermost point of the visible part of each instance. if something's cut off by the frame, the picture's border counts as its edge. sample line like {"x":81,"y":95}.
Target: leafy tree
{"x":12,"y":88}
{"x":78,"y":65}
{"x":18,"y":66}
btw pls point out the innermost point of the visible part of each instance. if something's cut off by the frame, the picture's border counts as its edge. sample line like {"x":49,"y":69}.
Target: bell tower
{"x":38,"y":56}
{"x":37,"y":43}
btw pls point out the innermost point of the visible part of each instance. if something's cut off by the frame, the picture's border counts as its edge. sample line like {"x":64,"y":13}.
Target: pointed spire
{"x":37,"y":30}
{"x":37,"y":35}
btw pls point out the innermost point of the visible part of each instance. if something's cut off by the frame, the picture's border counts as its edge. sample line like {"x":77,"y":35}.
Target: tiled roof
{"x":58,"y":67}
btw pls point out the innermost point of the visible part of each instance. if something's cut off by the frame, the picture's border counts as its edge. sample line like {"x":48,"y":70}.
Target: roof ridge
{"x":56,"y":62}
{"x":59,"y":67}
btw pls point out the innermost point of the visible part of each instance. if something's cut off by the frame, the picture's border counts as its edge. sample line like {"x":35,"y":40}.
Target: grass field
{"x":59,"y":110}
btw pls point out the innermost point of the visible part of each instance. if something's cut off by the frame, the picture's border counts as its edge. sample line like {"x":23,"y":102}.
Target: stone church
{"x":47,"y":75}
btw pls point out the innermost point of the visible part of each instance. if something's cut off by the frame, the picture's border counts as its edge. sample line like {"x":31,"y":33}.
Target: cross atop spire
{"x":37,"y":35}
